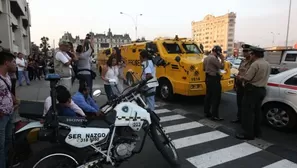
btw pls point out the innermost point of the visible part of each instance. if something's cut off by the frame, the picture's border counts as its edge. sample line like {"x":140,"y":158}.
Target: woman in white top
{"x":110,"y":71}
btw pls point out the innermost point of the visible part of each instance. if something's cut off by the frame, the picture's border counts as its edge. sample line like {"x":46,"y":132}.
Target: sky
{"x":256,"y":22}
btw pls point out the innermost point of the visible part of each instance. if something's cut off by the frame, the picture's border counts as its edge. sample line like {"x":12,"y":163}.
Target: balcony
{"x":17,"y":7}
{"x":13,"y":19}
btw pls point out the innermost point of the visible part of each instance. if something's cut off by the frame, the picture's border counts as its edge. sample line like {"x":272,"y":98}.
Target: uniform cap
{"x":247,"y":47}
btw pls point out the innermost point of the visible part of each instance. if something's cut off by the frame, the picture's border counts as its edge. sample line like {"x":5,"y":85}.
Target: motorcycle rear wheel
{"x":168,"y":150}
{"x":54,"y":157}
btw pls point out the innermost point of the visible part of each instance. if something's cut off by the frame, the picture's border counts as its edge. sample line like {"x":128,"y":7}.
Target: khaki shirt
{"x":212,"y":65}
{"x":243,"y":67}
{"x":258,"y":73}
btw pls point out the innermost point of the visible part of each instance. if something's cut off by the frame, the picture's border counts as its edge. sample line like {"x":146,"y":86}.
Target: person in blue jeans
{"x":83,"y":99}
{"x":148,"y":71}
{"x":7,"y":102}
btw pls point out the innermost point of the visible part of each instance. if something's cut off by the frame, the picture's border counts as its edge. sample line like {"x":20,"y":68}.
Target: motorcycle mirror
{"x":97,"y":93}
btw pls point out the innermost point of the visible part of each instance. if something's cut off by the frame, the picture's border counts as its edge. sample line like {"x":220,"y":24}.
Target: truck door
{"x":289,"y":60}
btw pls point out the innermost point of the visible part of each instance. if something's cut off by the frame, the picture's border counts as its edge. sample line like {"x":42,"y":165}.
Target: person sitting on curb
{"x":83,"y":99}
{"x":62,"y":90}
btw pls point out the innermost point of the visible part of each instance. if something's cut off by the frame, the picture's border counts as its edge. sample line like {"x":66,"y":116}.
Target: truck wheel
{"x":279,"y":116}
{"x":165,"y":90}
{"x":129,"y":78}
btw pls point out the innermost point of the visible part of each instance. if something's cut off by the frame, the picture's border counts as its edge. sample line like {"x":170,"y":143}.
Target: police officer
{"x":212,"y":66}
{"x":254,"y":92}
{"x":243,"y":67}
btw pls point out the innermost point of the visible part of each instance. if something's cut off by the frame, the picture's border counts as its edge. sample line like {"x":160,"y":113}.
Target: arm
{"x":250,"y":73}
{"x":60,"y":57}
{"x":93,"y":103}
{"x":81,"y":102}
{"x":104,"y":70}
{"x":19,"y":63}
{"x":77,"y":109}
{"x":217,"y":63}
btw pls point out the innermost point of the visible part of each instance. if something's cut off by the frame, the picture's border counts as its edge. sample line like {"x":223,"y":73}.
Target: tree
{"x":44,"y":45}
{"x":34,"y":48}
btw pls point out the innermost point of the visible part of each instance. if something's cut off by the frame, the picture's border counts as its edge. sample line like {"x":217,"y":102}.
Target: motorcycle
{"x":109,"y":139}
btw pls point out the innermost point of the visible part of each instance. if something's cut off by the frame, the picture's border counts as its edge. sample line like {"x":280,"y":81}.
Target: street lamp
{"x":273,"y":36}
{"x":288,"y":26}
{"x":134,"y":20}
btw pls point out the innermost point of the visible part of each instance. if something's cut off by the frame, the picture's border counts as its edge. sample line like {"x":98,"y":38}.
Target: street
{"x":200,"y":142}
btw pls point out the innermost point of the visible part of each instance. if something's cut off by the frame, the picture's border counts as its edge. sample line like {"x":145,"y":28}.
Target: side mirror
{"x":97,"y":93}
{"x":177,"y":59}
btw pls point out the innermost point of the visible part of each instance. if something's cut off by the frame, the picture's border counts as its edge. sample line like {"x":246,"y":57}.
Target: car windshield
{"x":172,"y":48}
{"x":191,"y":48}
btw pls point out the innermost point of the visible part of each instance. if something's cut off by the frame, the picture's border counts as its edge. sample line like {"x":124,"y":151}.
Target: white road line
{"x":282,"y":164}
{"x":171,"y":118}
{"x":160,"y":111}
{"x":182,"y":127}
{"x":230,"y":93}
{"x":223,"y":155}
{"x":198,"y":139}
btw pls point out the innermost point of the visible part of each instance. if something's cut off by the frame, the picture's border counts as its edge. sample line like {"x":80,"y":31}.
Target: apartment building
{"x":101,"y":41}
{"x":214,"y":30}
{"x":15,"y":25}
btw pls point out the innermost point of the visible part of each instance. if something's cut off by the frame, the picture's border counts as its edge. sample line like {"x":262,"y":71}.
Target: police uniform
{"x":242,"y":69}
{"x":254,"y":92}
{"x":212,"y":67}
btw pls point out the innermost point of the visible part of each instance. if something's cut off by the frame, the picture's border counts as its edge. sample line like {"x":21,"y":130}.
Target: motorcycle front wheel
{"x":54,"y":157}
{"x":164,"y":145}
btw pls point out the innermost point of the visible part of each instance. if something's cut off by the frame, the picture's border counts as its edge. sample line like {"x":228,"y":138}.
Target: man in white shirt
{"x":22,"y":69}
{"x":62,"y":64}
{"x":73,"y":106}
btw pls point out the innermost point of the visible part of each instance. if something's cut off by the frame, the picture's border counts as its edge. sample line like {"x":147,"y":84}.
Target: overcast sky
{"x":255,"y":21}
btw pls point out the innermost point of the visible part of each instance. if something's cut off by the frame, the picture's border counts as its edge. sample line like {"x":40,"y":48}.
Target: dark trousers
{"x":13,"y":84}
{"x":88,"y":79}
{"x":239,"y":96}
{"x":251,"y":110}
{"x":213,"y":95}
{"x":109,"y":92}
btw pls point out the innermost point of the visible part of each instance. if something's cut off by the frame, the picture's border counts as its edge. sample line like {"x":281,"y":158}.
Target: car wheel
{"x":279,"y":116}
{"x":165,"y":90}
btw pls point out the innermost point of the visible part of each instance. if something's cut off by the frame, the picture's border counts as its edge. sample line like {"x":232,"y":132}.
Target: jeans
{"x":108,"y":91}
{"x":6,"y":127}
{"x":150,"y":101}
{"x":22,"y":74}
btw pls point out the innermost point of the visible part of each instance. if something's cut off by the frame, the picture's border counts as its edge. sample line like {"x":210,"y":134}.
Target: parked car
{"x":280,"y":104}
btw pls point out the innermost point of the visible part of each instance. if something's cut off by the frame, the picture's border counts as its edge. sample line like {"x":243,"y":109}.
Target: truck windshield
{"x":191,"y":48}
{"x":172,"y":48}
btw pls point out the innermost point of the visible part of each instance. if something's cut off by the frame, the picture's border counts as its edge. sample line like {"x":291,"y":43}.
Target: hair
{"x":109,"y":61}
{"x":79,"y":49}
{"x":118,"y":54}
{"x":82,"y":85}
{"x":144,"y":54}
{"x":63,"y":95}
{"x":6,"y":56}
{"x":70,"y":44}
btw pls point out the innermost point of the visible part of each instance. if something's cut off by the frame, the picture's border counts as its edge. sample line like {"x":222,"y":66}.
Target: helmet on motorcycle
{"x":217,"y":49}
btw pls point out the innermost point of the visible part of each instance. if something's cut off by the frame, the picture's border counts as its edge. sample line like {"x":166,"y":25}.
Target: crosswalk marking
{"x":198,"y":139}
{"x":282,"y":164}
{"x":171,"y":118}
{"x":181,"y":127}
{"x":223,"y":155}
{"x":161,"y":111}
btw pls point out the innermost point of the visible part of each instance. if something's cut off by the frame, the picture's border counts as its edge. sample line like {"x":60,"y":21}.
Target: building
{"x":101,"y":41}
{"x":215,"y":31}
{"x":15,"y":24}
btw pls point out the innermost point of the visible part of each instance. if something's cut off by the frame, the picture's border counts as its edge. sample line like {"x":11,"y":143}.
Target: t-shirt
{"x":84,"y":62}
{"x":20,"y":61}
{"x":6,"y":102}
{"x":149,"y":68}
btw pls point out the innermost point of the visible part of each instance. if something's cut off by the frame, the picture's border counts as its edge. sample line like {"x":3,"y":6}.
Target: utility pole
{"x":288,"y":26}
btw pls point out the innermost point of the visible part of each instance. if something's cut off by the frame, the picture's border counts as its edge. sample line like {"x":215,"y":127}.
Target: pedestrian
{"x":242,"y":69}
{"x":116,"y":52}
{"x":255,"y":81}
{"x":7,"y":64}
{"x":62,"y":64}
{"x":85,"y":62}
{"x":22,"y":69}
{"x":212,"y":66}
{"x":148,"y":71}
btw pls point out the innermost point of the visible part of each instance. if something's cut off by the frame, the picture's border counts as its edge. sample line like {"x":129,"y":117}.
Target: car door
{"x":289,"y":89}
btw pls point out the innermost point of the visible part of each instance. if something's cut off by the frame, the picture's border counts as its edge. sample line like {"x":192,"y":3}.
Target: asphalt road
{"x":200,"y":142}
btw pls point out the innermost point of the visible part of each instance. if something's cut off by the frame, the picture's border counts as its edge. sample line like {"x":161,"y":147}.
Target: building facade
{"x":215,"y":31}
{"x":101,"y":41}
{"x":15,"y":25}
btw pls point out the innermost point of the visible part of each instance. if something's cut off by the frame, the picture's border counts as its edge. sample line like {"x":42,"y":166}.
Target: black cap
{"x":217,"y":49}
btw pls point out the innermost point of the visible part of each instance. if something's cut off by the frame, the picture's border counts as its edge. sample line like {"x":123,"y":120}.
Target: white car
{"x":280,"y":103}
